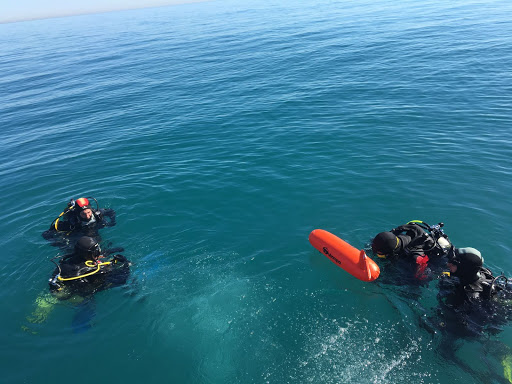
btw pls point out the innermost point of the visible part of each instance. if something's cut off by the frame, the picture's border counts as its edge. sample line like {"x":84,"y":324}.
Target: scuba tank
{"x":444,"y":244}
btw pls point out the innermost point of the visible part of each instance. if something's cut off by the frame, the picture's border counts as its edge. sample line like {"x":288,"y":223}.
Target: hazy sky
{"x":14,"y":10}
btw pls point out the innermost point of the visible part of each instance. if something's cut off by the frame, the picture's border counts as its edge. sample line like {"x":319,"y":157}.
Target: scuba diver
{"x":83,"y":272}
{"x":76,"y":278}
{"x":79,"y":219}
{"x":471,"y":296}
{"x":413,"y":245}
{"x":472,"y":303}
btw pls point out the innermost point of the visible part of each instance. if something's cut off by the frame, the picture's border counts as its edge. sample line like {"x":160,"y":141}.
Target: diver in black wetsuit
{"x":414,"y":244}
{"x":471,"y":299}
{"x":79,"y":219}
{"x":474,"y":281}
{"x":473,"y":303}
{"x":83,"y":272}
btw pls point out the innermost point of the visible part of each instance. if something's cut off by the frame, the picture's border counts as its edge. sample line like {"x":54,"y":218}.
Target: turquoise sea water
{"x":222,"y":133}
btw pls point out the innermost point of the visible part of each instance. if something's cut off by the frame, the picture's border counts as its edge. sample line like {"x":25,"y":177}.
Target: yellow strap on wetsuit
{"x":57,"y":220}
{"x":88,"y":264}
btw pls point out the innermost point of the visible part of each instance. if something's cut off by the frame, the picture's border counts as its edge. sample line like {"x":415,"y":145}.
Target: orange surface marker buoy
{"x":341,"y":253}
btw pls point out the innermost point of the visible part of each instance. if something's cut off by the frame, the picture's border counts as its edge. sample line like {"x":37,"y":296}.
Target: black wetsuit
{"x":468,"y":307}
{"x":98,"y":277}
{"x":462,"y":290}
{"x":409,"y":266}
{"x":414,"y":242}
{"x":71,"y":225}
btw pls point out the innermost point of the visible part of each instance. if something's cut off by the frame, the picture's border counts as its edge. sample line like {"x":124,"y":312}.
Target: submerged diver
{"x":472,"y":303}
{"x":76,"y":278}
{"x":82,"y":273}
{"x":79,"y":219}
{"x":415,"y":244}
{"x":471,"y":297}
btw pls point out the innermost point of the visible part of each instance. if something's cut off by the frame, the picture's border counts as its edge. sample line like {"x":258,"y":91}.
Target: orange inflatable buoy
{"x":341,"y":253}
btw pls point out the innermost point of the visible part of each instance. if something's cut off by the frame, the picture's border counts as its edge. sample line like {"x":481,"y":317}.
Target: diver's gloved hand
{"x":119,"y":259}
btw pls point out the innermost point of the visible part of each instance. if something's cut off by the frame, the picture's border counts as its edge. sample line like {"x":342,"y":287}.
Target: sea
{"x":222,"y":133}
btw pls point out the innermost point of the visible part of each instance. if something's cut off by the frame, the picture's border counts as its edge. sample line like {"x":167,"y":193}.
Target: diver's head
{"x":465,"y":263}
{"x":83,"y":208}
{"x":87,"y":248}
{"x":385,"y":244}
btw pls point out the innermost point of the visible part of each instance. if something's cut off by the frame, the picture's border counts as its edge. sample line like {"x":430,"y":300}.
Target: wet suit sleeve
{"x":110,"y":214}
{"x":411,"y":230}
{"x":120,"y":271}
{"x":62,"y":226}
{"x":412,"y":235}
{"x":120,"y":259}
{"x":451,"y":294}
{"x":412,"y":238}
{"x":68,"y":269}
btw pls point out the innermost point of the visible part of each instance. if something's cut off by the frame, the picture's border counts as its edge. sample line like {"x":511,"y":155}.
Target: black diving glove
{"x":119,"y":259}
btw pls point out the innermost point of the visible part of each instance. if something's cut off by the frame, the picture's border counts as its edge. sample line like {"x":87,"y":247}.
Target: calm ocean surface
{"x":222,"y":133}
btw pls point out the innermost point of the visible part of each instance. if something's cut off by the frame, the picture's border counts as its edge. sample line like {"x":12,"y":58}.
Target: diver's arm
{"x":398,"y":230}
{"x":119,"y":259}
{"x":62,"y":226}
{"x":49,"y":234}
{"x":416,"y":235}
{"x":413,"y":230}
{"x":111,"y":214}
